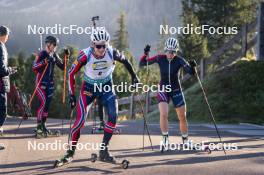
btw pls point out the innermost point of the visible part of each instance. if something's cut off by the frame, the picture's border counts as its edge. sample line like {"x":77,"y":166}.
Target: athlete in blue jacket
{"x":50,"y":58}
{"x":169,"y":65}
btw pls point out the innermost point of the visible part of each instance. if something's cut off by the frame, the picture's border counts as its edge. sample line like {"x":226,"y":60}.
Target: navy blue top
{"x":169,"y":68}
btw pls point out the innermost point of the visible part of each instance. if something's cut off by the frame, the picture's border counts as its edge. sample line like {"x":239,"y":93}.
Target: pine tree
{"x":193,"y":46}
{"x":120,"y":39}
{"x":120,"y":42}
{"x":224,"y":13}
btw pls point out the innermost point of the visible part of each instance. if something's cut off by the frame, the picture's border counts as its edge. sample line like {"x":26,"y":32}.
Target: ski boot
{"x":165,"y":143}
{"x":48,"y":132}
{"x":43,"y":132}
{"x":105,"y":155}
{"x":51,"y":133}
{"x":65,"y":159}
{"x":187,"y":144}
{"x":40,"y":132}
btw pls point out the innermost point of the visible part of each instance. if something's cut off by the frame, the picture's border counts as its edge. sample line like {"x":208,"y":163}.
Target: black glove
{"x":147,"y":49}
{"x":192,"y":63}
{"x":67,"y":52}
{"x":12,"y":70}
{"x":72,"y":101}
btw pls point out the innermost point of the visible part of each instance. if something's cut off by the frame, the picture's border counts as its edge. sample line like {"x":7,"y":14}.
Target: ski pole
{"x":30,"y":101}
{"x":32,"y":96}
{"x":144,"y":129}
{"x":210,"y":110}
{"x":64,"y":80}
{"x":145,"y":125}
{"x":21,"y":120}
{"x":66,"y":58}
{"x":146,"y":110}
{"x":34,"y":93}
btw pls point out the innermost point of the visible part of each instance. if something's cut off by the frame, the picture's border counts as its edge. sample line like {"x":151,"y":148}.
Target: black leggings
{"x":3,"y":109}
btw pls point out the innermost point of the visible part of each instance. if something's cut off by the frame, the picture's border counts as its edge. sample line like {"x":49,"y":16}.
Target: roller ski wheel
{"x":93,"y":157}
{"x":1,"y":132}
{"x":64,"y":160}
{"x":124,"y":164}
{"x":204,"y":148}
{"x":2,"y":147}
{"x":39,"y":134}
{"x":207,"y":150}
{"x":55,"y":133}
{"x":49,"y":133}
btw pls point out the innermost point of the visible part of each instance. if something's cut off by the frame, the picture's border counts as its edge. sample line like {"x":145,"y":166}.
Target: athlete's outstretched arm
{"x":144,"y":60}
{"x":122,"y":59}
{"x":76,"y":66}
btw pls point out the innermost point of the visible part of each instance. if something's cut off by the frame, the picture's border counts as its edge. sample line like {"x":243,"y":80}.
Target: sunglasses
{"x":100,"y":46}
{"x":170,"y":51}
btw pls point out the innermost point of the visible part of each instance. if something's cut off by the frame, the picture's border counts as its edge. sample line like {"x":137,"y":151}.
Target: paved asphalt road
{"x":20,"y":158}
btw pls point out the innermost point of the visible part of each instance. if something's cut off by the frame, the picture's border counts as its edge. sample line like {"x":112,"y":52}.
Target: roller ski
{"x":105,"y":156}
{"x":189,"y":145}
{"x":43,"y":132}
{"x":64,"y":160}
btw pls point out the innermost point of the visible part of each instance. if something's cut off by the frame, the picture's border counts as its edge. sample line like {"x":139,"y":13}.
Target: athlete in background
{"x":50,"y":58}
